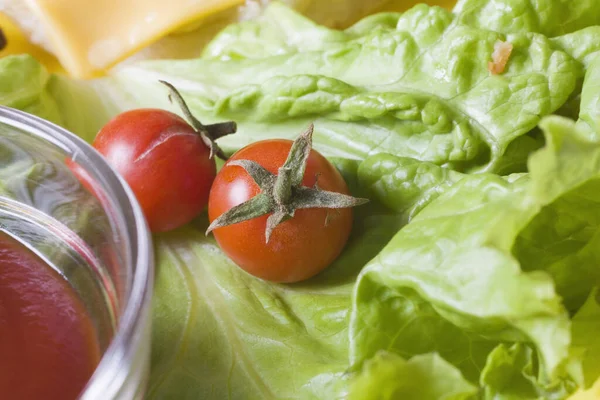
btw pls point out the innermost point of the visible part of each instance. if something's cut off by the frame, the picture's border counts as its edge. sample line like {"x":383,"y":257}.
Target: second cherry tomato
{"x":298,"y":248}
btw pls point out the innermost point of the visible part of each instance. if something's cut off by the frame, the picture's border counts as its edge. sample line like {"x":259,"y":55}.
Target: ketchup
{"x":48,"y":346}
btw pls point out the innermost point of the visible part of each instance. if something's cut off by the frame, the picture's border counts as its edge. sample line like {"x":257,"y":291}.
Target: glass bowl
{"x":96,"y":239}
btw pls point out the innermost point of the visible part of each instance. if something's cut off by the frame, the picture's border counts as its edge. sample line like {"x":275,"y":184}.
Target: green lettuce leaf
{"x":427,"y":377}
{"x":511,"y":373}
{"x":419,"y":90}
{"x":564,"y":237}
{"x":24,"y":85}
{"x":220,"y":333}
{"x":404,"y":185}
{"x":83,"y":106}
{"x":79,"y":106}
{"x":548,"y":17}
{"x":589,"y":115}
{"x":582,"y":45}
{"x":586,"y":325}
{"x":278,"y":30}
{"x":456,"y":257}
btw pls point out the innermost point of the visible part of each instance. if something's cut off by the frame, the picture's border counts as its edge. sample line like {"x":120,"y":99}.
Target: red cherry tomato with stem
{"x":163,"y":160}
{"x":167,"y":162}
{"x":299,"y":247}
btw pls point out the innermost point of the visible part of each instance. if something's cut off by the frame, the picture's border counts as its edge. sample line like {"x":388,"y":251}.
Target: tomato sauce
{"x":48,"y":346}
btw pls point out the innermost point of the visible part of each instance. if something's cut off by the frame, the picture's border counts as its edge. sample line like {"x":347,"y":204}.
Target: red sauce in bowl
{"x":48,"y":346}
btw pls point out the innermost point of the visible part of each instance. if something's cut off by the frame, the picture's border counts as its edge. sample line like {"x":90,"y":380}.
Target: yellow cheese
{"x":17,"y":43}
{"x":92,"y":35}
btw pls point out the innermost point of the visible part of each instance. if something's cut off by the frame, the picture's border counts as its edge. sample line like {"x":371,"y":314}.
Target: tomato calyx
{"x":208,"y":133}
{"x":282,"y":194}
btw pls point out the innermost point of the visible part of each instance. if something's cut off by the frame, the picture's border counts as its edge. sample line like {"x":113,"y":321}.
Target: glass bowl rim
{"x":139,"y":289}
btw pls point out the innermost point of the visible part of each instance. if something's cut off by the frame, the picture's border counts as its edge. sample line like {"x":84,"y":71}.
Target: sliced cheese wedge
{"x":90,"y":36}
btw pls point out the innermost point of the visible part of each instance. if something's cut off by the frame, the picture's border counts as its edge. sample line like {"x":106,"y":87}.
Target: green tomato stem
{"x":208,"y":133}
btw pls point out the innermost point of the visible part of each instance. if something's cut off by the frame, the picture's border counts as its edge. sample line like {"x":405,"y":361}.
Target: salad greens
{"x":23,"y":85}
{"x":423,"y":377}
{"x":469,"y":278}
{"x":473,"y":273}
{"x":419,"y":87}
{"x":549,"y":17}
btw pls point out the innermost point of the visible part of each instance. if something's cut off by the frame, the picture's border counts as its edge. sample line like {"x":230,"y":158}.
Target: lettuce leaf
{"x":581,"y":45}
{"x":471,"y":278}
{"x":76,"y":105}
{"x":589,"y":115}
{"x":220,"y":333}
{"x":511,"y":373}
{"x":586,"y":325}
{"x":548,"y":17}
{"x":24,"y":85}
{"x":278,"y":30}
{"x":427,"y":377}
{"x":563,"y":239}
{"x":419,"y":88}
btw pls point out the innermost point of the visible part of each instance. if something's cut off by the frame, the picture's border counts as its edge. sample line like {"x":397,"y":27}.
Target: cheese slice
{"x":90,"y":36}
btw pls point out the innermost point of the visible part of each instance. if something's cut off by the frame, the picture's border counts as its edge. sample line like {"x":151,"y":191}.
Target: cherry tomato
{"x":164,"y":161}
{"x":298,"y":248}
